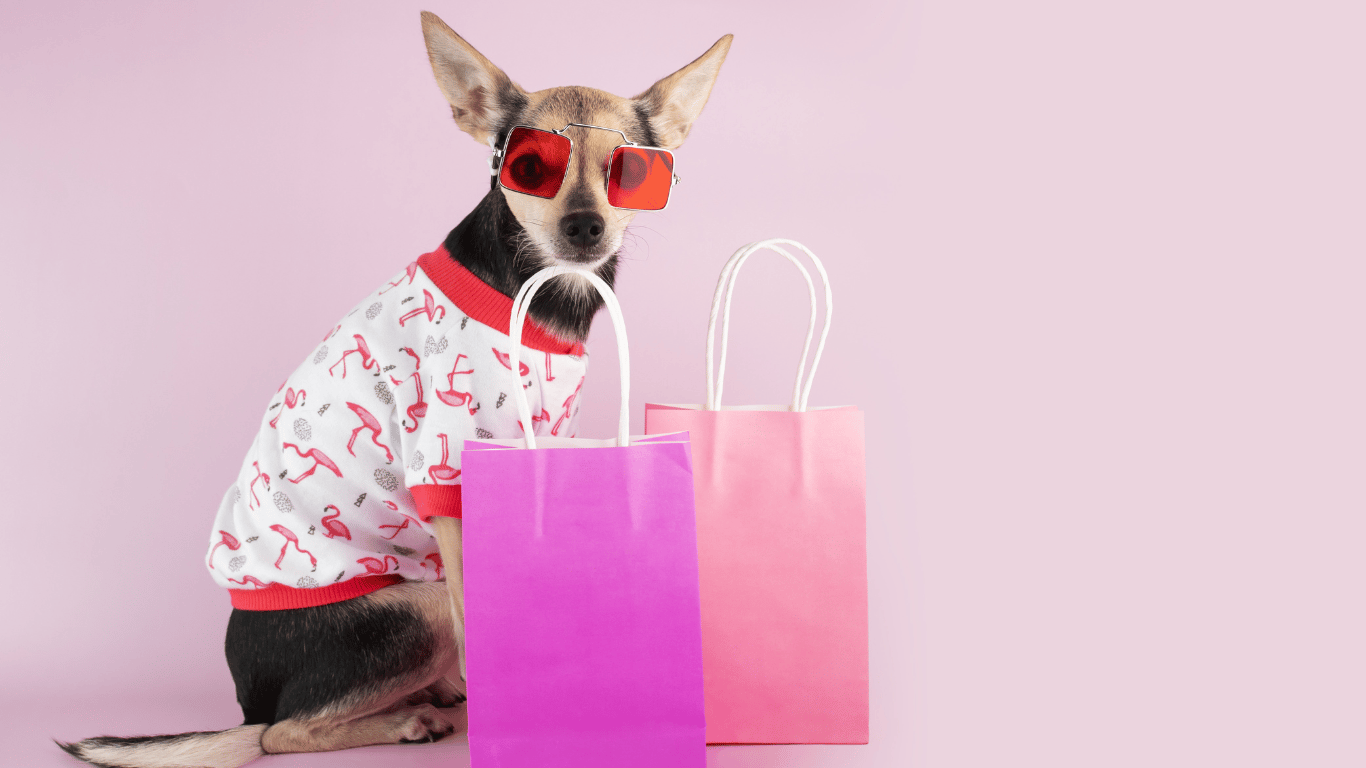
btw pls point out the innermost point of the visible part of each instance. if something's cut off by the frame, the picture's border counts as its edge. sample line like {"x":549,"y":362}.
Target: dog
{"x":366,"y":657}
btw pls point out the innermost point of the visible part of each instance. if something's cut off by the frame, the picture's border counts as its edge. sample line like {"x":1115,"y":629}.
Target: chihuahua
{"x":325,"y":662}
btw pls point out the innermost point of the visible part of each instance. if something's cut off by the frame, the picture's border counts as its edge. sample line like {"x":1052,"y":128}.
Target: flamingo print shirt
{"x":360,"y":447}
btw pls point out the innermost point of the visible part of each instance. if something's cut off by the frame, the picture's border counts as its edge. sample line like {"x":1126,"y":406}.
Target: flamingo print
{"x":334,"y":526}
{"x":568,"y":408}
{"x":443,"y":472}
{"x":545,"y":416}
{"x":548,"y":375}
{"x":366,"y":361}
{"x":292,"y":398}
{"x":451,"y":397}
{"x":255,"y":502}
{"x":522,"y":368}
{"x":416,"y":410}
{"x":250,"y":580}
{"x":228,"y":540}
{"x":376,"y":566}
{"x":319,"y":460}
{"x":332,"y":332}
{"x":417,"y":360}
{"x":290,"y":538}
{"x":410,"y":271}
{"x":435,"y":557}
{"x":429,"y":308}
{"x":367,"y":421}
{"x":399,"y":528}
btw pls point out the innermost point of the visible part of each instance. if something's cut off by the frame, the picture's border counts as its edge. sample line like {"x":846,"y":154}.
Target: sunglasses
{"x":534,"y":161}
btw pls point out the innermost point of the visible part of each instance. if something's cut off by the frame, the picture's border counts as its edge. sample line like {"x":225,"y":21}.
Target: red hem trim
{"x":482,"y":302}
{"x":437,"y":501}
{"x":278,"y":597}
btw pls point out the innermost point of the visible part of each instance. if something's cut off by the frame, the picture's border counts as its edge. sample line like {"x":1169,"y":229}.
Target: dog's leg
{"x":325,"y":734}
{"x":374,"y":707}
{"x":343,"y":675}
{"x":449,"y":539}
{"x":323,"y":678}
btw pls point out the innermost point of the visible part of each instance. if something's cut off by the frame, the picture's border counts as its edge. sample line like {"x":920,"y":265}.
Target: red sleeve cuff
{"x":436,"y":501}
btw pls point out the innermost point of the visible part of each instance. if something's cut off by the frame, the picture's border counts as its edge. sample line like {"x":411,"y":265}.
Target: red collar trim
{"x":277,"y":597}
{"x":482,"y":302}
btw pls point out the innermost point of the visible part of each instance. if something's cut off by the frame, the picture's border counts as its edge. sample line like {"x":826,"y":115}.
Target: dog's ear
{"x":673,"y":103}
{"x":482,"y":98}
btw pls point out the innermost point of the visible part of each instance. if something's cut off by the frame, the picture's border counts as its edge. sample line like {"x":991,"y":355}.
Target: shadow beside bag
{"x":781,"y":520}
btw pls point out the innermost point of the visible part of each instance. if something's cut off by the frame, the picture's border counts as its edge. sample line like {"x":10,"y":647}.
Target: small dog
{"x":323,"y":663}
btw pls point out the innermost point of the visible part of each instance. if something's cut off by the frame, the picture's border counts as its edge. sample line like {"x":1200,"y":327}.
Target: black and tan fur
{"x":374,"y":670}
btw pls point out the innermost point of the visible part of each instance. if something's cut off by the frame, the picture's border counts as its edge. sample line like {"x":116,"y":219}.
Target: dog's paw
{"x":443,"y":693}
{"x":423,"y":724}
{"x":446,"y":693}
{"x":419,"y":697}
{"x":444,"y":699}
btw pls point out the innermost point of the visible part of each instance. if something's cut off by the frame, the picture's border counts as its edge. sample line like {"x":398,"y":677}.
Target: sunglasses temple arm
{"x":495,"y":159}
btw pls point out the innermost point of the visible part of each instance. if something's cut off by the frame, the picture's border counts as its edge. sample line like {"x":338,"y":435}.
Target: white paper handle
{"x":715,"y":382}
{"x":522,"y":303}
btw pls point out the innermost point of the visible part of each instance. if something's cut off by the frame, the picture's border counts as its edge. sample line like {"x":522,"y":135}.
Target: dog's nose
{"x":582,"y":229}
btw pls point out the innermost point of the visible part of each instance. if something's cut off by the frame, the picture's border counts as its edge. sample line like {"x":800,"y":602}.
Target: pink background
{"x":1099,"y":273}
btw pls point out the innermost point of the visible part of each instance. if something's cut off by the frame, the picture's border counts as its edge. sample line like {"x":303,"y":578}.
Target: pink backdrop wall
{"x":1099,"y":276}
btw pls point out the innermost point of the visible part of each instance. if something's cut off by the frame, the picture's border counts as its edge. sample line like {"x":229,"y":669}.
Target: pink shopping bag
{"x":582,"y":618}
{"x":782,"y":551}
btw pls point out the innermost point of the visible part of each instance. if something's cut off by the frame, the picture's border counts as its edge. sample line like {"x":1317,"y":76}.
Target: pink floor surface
{"x":29,"y":722}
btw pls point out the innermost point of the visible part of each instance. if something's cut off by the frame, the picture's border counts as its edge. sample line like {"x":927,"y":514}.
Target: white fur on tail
{"x":223,"y":749}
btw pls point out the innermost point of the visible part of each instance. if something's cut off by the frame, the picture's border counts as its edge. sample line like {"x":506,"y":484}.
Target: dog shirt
{"x":360,"y":447}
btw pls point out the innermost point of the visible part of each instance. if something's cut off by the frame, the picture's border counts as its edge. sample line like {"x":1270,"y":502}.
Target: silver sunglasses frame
{"x":496,"y":162}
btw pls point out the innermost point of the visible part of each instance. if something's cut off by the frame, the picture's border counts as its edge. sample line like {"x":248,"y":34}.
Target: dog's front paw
{"x":442,"y":693}
{"x":448,"y":698}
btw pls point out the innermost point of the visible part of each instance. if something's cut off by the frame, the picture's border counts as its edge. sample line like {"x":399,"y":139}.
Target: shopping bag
{"x":782,"y":549}
{"x":582,"y":618}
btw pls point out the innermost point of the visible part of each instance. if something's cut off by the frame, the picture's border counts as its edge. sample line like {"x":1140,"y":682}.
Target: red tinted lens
{"x":640,"y":178}
{"x":534,"y":162}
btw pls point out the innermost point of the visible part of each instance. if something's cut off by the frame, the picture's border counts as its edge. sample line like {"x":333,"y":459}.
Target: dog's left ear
{"x":482,"y":98}
{"x":673,"y":103}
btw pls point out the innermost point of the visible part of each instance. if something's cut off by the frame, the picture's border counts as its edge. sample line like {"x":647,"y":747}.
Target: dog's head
{"x":577,"y":226}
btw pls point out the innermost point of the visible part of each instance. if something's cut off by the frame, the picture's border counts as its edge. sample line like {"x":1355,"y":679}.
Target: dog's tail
{"x":199,"y":749}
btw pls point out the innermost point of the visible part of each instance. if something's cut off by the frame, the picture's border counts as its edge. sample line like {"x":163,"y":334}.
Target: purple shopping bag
{"x":583,"y":624}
